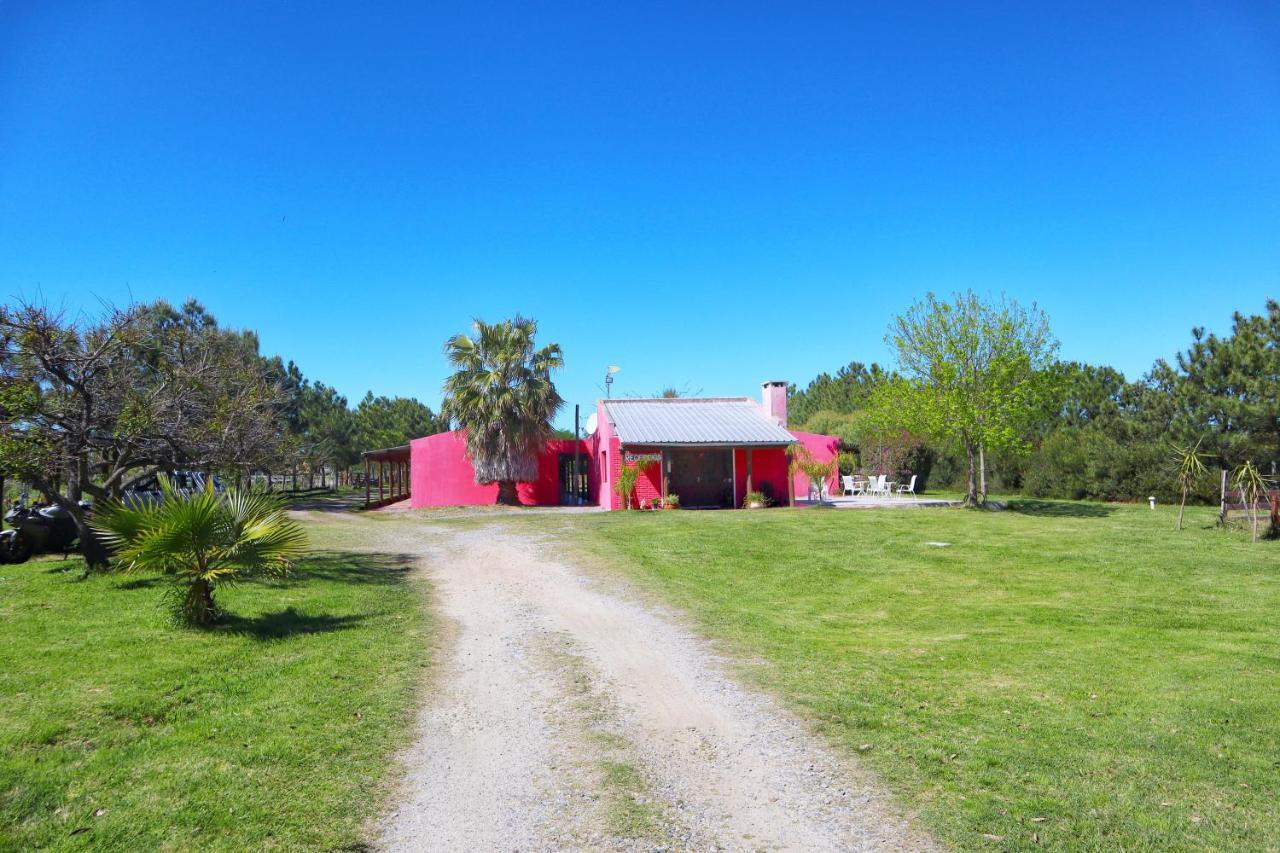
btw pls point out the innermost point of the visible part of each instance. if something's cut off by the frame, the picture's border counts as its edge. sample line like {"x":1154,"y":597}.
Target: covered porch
{"x":386,"y":476}
{"x":720,"y":476}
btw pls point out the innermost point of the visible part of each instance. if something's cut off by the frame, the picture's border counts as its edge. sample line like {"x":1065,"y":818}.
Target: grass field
{"x":275,"y":731}
{"x":1059,"y":674}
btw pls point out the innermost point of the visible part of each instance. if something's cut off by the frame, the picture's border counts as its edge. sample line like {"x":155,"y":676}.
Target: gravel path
{"x":551,"y":681}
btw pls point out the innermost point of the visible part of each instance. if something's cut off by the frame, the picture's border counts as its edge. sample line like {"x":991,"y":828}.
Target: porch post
{"x":366,"y":482}
{"x":381,"y":482}
{"x":748,"y":469}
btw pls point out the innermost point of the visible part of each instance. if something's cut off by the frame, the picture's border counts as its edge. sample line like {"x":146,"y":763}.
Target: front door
{"x":702,"y":477}
{"x":573,"y":483}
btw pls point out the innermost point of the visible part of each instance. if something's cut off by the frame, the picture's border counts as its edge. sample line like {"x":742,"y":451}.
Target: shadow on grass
{"x":143,"y":583}
{"x":346,"y":567}
{"x":335,"y":566}
{"x":286,"y":623}
{"x":326,"y":502}
{"x":1060,"y":509}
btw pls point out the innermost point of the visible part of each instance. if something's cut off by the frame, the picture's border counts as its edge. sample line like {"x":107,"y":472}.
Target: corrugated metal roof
{"x":718,"y":420}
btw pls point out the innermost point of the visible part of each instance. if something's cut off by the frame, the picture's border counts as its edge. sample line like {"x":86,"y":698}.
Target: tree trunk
{"x":507,"y":495}
{"x":198,"y":607}
{"x":1182,"y":507}
{"x":971,"y":496}
{"x":95,"y":553}
{"x":982,"y":473}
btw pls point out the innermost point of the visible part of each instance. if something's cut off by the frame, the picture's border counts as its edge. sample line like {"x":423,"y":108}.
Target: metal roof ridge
{"x":682,"y":400}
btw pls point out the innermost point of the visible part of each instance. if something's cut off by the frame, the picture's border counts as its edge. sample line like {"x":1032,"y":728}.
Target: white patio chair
{"x":908,"y":488}
{"x":876,"y":486}
{"x":847,"y":483}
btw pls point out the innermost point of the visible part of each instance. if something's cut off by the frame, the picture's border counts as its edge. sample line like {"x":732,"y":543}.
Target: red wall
{"x":768,"y":465}
{"x":440,"y":474}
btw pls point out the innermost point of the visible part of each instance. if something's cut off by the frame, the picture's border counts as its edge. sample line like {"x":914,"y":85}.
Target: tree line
{"x":91,"y":406}
{"x":978,"y":398}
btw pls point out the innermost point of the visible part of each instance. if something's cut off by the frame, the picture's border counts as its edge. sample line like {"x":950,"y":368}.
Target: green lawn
{"x":274,"y":731}
{"x":1060,"y":674}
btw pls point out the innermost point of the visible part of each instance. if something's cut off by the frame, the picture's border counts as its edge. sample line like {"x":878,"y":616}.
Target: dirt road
{"x":568,"y":713}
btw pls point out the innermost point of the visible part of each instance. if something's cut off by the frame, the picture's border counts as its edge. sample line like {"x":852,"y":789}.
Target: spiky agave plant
{"x":203,"y":540}
{"x":501,"y":393}
{"x":1190,"y":465}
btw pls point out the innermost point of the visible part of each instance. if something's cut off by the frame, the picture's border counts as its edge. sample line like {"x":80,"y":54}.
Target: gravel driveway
{"x":570,"y":713}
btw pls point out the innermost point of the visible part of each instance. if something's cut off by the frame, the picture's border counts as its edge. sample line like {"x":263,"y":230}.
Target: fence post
{"x":1222,"y":511}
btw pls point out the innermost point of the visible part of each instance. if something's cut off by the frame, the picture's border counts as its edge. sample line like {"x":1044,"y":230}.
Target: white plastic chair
{"x":877,"y":486}
{"x":847,"y":483}
{"x":908,"y":488}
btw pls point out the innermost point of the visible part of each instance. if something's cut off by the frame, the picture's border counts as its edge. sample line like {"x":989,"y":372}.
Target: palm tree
{"x":202,"y":539}
{"x":1190,"y":469}
{"x":1251,"y":486}
{"x":502,"y":395}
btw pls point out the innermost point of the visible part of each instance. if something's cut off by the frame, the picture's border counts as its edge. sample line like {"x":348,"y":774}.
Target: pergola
{"x":390,"y":466}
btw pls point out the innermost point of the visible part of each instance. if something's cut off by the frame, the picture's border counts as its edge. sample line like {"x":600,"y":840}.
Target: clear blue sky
{"x":706,"y":194}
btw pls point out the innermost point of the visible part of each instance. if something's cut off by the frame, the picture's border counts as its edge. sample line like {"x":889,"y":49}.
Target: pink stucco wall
{"x":441,"y":474}
{"x":824,"y":449}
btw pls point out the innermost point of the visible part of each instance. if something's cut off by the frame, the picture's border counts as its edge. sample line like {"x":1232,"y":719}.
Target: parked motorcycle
{"x":38,"y":530}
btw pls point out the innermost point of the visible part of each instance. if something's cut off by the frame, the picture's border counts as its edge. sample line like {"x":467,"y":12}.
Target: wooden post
{"x":665,"y":486}
{"x":1222,"y":511}
{"x":381,"y":481}
{"x":748,"y":469}
{"x":577,"y":451}
{"x":366,"y":482}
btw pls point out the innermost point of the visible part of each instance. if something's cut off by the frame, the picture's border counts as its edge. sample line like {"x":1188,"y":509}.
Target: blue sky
{"x":708,"y":195}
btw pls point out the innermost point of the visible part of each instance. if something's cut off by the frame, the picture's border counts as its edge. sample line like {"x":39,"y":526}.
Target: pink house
{"x":709,"y":451}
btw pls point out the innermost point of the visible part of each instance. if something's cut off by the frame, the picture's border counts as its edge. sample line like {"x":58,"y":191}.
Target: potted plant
{"x":671,"y":501}
{"x":755,"y":500}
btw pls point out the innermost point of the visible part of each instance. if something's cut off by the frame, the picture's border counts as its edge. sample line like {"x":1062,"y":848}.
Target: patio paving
{"x":877,"y":502}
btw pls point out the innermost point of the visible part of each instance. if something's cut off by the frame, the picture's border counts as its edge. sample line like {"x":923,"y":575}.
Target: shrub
{"x":625,"y":486}
{"x":203,"y":540}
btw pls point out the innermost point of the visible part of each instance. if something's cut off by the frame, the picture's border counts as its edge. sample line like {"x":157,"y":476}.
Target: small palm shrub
{"x":1191,"y":469}
{"x":625,"y":485}
{"x":803,"y":462}
{"x":203,"y":540}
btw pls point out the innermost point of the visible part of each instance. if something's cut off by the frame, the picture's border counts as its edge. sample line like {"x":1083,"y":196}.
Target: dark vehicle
{"x":39,"y":529}
{"x":148,"y":492}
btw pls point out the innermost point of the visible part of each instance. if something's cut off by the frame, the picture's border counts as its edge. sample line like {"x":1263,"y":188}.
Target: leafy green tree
{"x":202,"y":540}
{"x":973,"y":375}
{"x":392,"y":421}
{"x":848,"y":391}
{"x":1228,"y":388}
{"x":92,"y":405}
{"x":501,"y":393}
